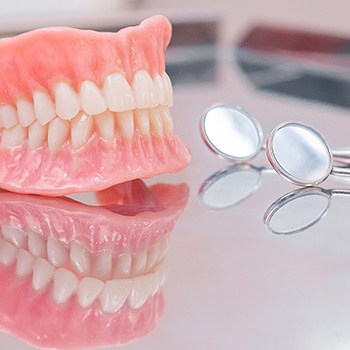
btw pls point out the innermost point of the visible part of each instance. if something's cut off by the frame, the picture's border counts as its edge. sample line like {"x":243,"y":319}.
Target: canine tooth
{"x":168,"y":89}
{"x":42,"y":273}
{"x":37,"y":134}
{"x":156,"y":122}
{"x":82,"y":126}
{"x":14,"y":236}
{"x":105,"y":125}
{"x":8,"y":253}
{"x":166,"y":119}
{"x":122,"y":266}
{"x":142,"y":121}
{"x":26,"y":114}
{"x":80,"y":259}
{"x":43,"y":107}
{"x":102,"y":268}
{"x":13,"y":137}
{"x":36,"y":244}
{"x":125,"y":123}
{"x":160,"y":89}
{"x":144,"y":90}
{"x":58,"y":132}
{"x":64,"y":285}
{"x":67,"y":101}
{"x":139,"y":263}
{"x":118,"y":93}
{"x":88,"y":290}
{"x":8,"y":116}
{"x":114,"y":294}
{"x":91,"y":98}
{"x":141,"y":290}
{"x":56,"y":252}
{"x":25,"y":263}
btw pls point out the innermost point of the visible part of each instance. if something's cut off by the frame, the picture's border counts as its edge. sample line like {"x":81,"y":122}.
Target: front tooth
{"x":57,"y":133}
{"x":141,"y":290}
{"x":64,"y":285}
{"x":91,"y":98}
{"x":80,"y":259}
{"x":142,"y":121}
{"x":8,"y":253}
{"x":144,"y":90}
{"x":168,"y":88}
{"x":8,"y":116}
{"x":43,"y":107}
{"x":14,"y":236}
{"x":139,"y":263}
{"x":56,"y":252}
{"x":105,"y":125}
{"x":25,"y":263}
{"x":102,"y":268}
{"x":82,"y":126}
{"x":67,"y":101}
{"x":14,"y":137}
{"x":156,"y":122}
{"x":114,"y":294}
{"x":125,"y":123}
{"x":36,"y":244}
{"x":42,"y":273}
{"x":26,"y":114}
{"x":88,"y":290}
{"x":166,"y":120}
{"x":160,"y":89}
{"x":118,"y":93}
{"x":122,"y":266}
{"x":37,"y":135}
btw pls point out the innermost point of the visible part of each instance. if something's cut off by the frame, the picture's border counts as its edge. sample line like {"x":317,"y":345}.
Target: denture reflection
{"x":78,"y":275}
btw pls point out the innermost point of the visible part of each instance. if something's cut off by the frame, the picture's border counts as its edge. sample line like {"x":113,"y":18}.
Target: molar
{"x":82,"y":127}
{"x":67,"y":101}
{"x":13,"y":137}
{"x":144,"y":90}
{"x":43,"y":107}
{"x":91,"y":98}
{"x":58,"y":132}
{"x":142,"y":121}
{"x":125,"y":123}
{"x":156,"y":122}
{"x":166,"y":119}
{"x":26,"y":114}
{"x":8,"y":116}
{"x":139,"y":263}
{"x":122,"y":266}
{"x":37,"y":135}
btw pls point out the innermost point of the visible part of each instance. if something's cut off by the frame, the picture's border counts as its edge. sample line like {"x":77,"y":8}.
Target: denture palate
{"x":65,"y":114}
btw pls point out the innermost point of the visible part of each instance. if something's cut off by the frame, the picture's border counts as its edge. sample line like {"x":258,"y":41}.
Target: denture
{"x":80,"y":276}
{"x":82,"y":110}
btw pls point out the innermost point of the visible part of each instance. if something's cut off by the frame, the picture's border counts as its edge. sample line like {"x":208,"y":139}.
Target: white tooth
{"x":164,"y":247}
{"x":118,"y":93}
{"x":37,"y":135}
{"x":122,"y":266}
{"x":36,"y":244}
{"x":144,"y":90}
{"x":42,"y":273}
{"x":56,"y":252}
{"x":88,"y":290}
{"x":160,"y":89}
{"x":105,"y":125}
{"x":64,"y":285}
{"x":8,"y":253}
{"x":102,"y":268}
{"x":91,"y":98}
{"x":26,"y":114}
{"x":139,"y":263}
{"x":114,"y":294}
{"x":156,"y":122}
{"x":8,"y":116}
{"x":167,"y":120}
{"x":168,"y":89}
{"x":152,"y":256}
{"x":25,"y":263}
{"x":67,"y":101}
{"x":43,"y":107}
{"x":142,"y":121}
{"x":141,"y":290}
{"x":14,"y":137}
{"x":82,"y":127}
{"x":163,"y":270}
{"x":125,"y":123}
{"x":57,"y":133}
{"x":80,"y":259}
{"x":14,"y":236}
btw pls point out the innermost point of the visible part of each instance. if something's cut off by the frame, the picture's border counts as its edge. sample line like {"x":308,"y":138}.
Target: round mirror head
{"x":228,"y":187}
{"x":231,"y":132}
{"x":297,"y":211}
{"x":299,"y":153}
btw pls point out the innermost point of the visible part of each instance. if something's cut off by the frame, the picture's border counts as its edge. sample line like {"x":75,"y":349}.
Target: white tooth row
{"x":157,"y":121}
{"x":116,"y":95}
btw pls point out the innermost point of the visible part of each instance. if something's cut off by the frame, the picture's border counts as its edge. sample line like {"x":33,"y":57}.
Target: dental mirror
{"x":231,"y":132}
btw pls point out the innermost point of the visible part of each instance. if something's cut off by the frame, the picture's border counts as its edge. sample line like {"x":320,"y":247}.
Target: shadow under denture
{"x":96,"y":263}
